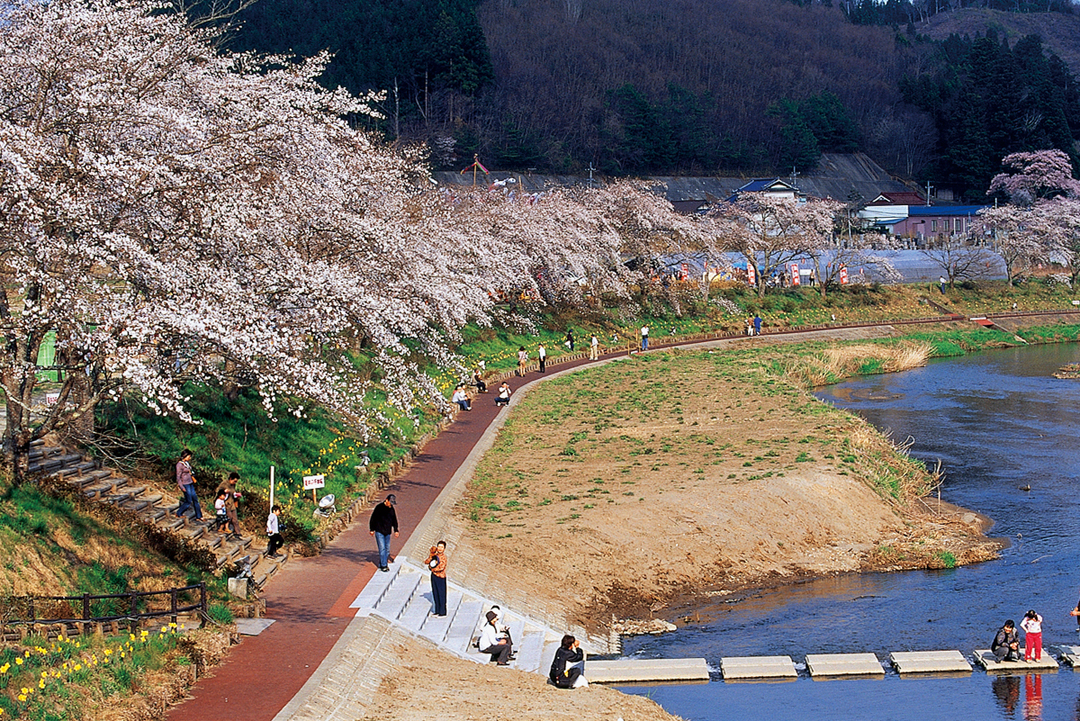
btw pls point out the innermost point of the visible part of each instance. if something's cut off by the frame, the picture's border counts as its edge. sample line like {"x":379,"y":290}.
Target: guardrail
{"x":27,"y":610}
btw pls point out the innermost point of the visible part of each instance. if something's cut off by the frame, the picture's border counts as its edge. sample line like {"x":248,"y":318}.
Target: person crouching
{"x":568,"y":666}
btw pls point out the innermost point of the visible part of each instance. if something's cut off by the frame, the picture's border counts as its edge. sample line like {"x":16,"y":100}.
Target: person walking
{"x":1032,"y":625}
{"x":523,"y":359}
{"x":186,"y":483}
{"x":594,"y":347}
{"x":645,"y":337}
{"x":941,"y":286}
{"x":757,"y":325}
{"x":436,"y":561}
{"x":382,"y":523}
{"x":541,"y":353}
{"x":570,"y":340}
{"x":273,"y":533}
{"x":232,"y":498}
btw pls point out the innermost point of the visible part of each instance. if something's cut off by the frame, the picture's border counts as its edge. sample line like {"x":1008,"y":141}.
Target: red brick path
{"x":309,"y":598}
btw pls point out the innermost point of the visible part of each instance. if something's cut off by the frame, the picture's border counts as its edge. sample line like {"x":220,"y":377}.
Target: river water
{"x":997,"y":421}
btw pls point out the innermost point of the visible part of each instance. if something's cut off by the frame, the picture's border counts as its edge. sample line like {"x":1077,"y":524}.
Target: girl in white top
{"x":1032,"y":625}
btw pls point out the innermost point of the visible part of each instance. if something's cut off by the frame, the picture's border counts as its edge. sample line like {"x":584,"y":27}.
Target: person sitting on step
{"x":568,"y":666}
{"x":493,"y":642}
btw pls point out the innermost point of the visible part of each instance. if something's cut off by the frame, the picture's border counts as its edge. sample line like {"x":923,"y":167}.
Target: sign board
{"x":843,"y":275}
{"x":794,"y":272}
{"x":313,"y":482}
{"x":751,"y":275}
{"x":52,"y":397}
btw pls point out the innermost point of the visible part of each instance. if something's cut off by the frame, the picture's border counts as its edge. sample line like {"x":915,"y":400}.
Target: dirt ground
{"x":429,"y":684}
{"x":665,"y":480}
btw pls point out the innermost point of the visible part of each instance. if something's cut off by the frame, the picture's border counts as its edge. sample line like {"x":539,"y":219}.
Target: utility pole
{"x":591,"y":169}
{"x":928,"y":187}
{"x":794,"y":177}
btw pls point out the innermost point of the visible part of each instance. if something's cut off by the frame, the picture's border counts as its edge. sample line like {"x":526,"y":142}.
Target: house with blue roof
{"x":924,"y":223}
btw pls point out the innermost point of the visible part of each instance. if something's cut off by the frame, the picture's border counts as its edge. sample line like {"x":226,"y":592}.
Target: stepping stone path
{"x":148,"y":505}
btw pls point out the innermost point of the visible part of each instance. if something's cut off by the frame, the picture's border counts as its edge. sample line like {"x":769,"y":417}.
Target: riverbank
{"x":680,"y":476}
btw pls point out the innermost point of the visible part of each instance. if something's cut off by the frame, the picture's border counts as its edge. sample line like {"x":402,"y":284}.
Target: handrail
{"x":175,"y":607}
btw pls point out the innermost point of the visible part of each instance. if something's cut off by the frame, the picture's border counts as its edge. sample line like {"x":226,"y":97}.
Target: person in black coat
{"x":384,"y":522}
{"x":568,"y":666}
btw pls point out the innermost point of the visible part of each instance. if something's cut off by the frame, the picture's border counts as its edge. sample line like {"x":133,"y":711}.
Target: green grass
{"x":239,"y":435}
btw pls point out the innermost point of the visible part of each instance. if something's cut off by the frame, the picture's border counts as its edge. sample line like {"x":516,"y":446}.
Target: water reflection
{"x":1007,"y":691}
{"x":998,"y":421}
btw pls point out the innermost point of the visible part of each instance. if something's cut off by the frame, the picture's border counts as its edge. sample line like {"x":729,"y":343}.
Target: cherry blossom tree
{"x":771,"y":232}
{"x":1038,"y":175}
{"x":1021,"y":235}
{"x":170,"y":213}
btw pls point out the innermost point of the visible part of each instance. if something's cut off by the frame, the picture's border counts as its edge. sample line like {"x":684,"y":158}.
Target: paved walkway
{"x":309,"y":599}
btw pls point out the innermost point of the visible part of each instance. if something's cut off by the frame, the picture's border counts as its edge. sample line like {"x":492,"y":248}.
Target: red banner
{"x":751,"y":275}
{"x":843,"y":275}
{"x":794,"y":271}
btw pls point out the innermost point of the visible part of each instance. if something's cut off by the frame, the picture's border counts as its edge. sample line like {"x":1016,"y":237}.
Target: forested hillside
{"x":686,"y":86}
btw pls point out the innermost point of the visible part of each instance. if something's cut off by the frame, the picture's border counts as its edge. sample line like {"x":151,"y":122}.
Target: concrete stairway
{"x":149,"y":505}
{"x":403,"y":597}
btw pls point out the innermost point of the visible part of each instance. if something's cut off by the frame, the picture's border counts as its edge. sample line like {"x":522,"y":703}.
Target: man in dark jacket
{"x":1006,"y":645}
{"x":384,"y":522}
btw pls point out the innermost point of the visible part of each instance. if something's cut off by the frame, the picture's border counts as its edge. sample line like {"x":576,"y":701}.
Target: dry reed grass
{"x":844,"y":361}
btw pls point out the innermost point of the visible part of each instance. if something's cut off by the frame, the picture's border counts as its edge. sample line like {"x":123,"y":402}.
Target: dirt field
{"x":668,"y":479}
{"x":429,"y":684}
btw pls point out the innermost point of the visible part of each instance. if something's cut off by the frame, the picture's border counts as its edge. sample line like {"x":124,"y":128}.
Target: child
{"x":272,"y":530}
{"x":1032,"y":625}
{"x":219,"y":511}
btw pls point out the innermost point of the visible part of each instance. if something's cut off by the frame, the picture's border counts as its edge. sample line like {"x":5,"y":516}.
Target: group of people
{"x":568,"y":666}
{"x":226,"y":499}
{"x":1006,"y":644}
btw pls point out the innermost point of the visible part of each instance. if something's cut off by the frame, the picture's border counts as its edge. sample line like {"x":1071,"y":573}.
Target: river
{"x":998,"y":421}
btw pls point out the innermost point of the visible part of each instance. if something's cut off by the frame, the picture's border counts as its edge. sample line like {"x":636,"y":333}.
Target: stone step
{"x":547,"y":655}
{"x":82,"y":480}
{"x":736,"y":668}
{"x":193,"y":532}
{"x":376,"y":587}
{"x":152,"y":498}
{"x":843,"y":664}
{"x":530,"y":649}
{"x":37,"y":443}
{"x":639,"y":670}
{"x":462,"y":629}
{"x":435,"y":627}
{"x":915,"y":662}
{"x":398,"y":595}
{"x":86,"y":467}
{"x":420,"y":606}
{"x":100,"y":473}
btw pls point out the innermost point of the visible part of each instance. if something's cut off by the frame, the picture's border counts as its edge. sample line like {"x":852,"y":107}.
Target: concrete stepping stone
{"x":737,"y":668}
{"x":832,"y":665}
{"x":907,"y":662}
{"x":1070,"y":655}
{"x":252,"y":626}
{"x":634,"y":670}
{"x":989,"y":661}
{"x":419,"y":607}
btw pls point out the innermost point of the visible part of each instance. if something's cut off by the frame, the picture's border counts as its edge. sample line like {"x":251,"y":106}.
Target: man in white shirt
{"x":644,"y":337}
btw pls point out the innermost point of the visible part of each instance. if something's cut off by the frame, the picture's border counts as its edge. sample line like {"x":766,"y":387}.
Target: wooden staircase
{"x":152,"y":506}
